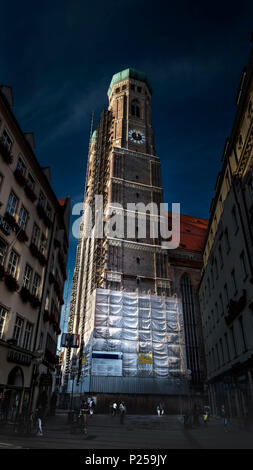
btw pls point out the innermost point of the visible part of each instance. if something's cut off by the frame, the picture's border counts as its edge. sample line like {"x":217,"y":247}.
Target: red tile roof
{"x":193,"y":232}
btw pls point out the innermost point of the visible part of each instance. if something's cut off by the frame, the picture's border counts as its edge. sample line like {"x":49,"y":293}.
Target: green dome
{"x":94,"y":135}
{"x":128,"y":73}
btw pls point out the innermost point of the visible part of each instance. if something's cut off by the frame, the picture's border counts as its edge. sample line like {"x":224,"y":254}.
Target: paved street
{"x":138,"y":432}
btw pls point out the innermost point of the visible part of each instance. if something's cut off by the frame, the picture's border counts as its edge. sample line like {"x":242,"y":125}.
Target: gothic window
{"x":135,"y":108}
{"x":190,"y":325}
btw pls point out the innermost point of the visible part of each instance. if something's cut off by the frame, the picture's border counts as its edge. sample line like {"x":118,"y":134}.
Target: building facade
{"x":122,"y":306}
{"x":226,"y":288}
{"x":33,"y":255}
{"x":185,"y":267}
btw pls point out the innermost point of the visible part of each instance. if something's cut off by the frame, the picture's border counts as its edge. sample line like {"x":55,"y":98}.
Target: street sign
{"x":69,"y":340}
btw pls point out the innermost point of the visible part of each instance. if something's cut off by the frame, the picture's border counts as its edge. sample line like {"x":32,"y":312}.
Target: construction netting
{"x":134,"y":335}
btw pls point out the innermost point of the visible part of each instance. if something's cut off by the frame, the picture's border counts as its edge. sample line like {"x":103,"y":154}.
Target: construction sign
{"x":145,"y":358}
{"x":83,"y":360}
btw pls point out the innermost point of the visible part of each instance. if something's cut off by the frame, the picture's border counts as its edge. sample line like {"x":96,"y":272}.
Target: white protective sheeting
{"x":136,"y":324}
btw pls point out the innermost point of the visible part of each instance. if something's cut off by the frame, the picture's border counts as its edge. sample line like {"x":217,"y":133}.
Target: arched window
{"x":16,"y":377}
{"x":190,"y":326}
{"x":135,"y":108}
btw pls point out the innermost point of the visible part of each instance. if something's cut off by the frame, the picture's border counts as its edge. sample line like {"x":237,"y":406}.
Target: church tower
{"x":122,"y":306}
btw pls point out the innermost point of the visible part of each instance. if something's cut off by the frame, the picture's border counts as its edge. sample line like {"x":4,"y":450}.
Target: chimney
{"x":46,"y":172}
{"x":30,"y":139}
{"x":7,"y":92}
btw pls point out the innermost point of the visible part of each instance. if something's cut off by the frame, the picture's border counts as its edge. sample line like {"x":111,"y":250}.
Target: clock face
{"x":137,"y":136}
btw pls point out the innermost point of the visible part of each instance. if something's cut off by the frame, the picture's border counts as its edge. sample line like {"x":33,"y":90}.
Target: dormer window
{"x":42,"y":200}
{"x":21,"y":166}
{"x":6,"y":140}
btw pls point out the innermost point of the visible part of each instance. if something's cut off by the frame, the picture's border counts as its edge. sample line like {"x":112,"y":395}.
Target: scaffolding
{"x":131,"y":338}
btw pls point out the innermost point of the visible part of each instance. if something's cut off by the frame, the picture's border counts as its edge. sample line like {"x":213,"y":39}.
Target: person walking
{"x":84,"y":410}
{"x":91,"y":407}
{"x":158,"y":410}
{"x":40,"y":416}
{"x":224,"y":417}
{"x":162,"y":409}
{"x":114,"y":408}
{"x":122,"y":409}
{"x":205,"y":418}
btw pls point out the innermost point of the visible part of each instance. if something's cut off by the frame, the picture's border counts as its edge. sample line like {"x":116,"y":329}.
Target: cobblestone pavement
{"x":137,"y":432}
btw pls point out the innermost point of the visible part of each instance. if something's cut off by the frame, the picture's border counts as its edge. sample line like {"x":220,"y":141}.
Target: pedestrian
{"x":84,"y":410}
{"x":114,"y":408}
{"x":122,"y":409}
{"x":205,"y":418}
{"x":40,"y":416}
{"x":91,"y":407}
{"x":158,"y":410}
{"x":162,"y":409}
{"x":224,"y":417}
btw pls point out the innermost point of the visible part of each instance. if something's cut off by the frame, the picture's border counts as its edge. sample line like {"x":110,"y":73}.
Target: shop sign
{"x":19,"y":358}
{"x":45,"y":380}
{"x":107,"y":363}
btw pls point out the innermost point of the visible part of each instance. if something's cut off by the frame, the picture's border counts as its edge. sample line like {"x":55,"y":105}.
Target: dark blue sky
{"x":59,"y":57}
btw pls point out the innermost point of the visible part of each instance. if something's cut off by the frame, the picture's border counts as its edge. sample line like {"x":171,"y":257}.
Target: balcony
{"x":11,"y":282}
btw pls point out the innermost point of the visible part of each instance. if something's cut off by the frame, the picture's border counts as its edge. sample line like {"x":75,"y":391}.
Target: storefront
{"x":15,"y":382}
